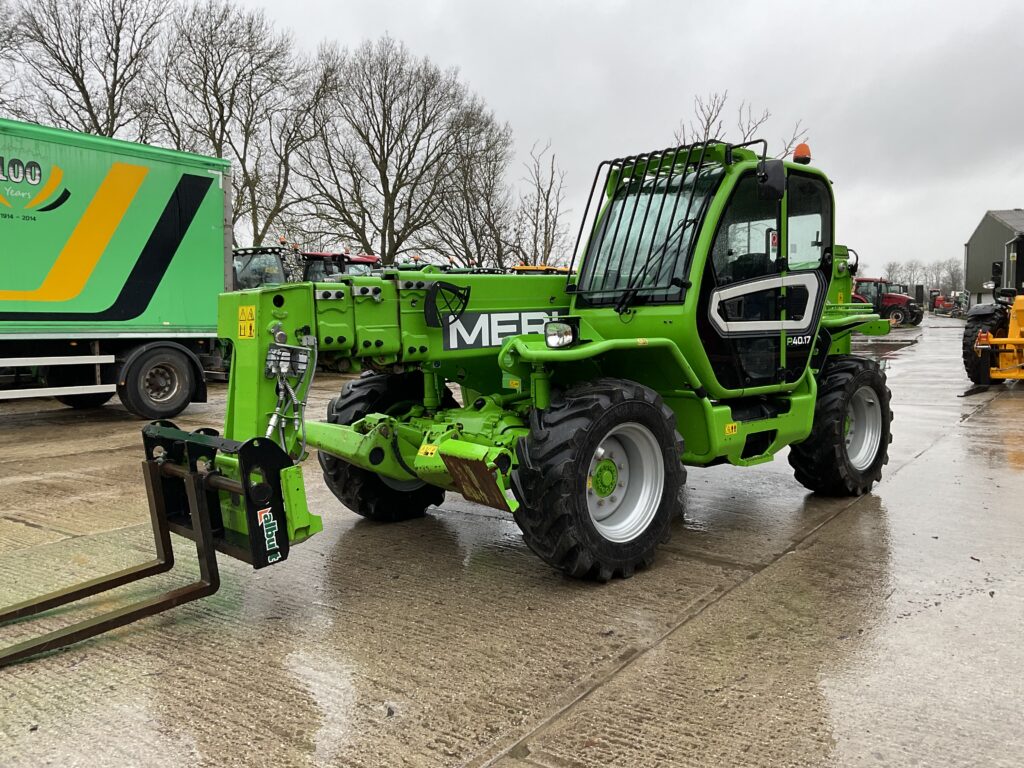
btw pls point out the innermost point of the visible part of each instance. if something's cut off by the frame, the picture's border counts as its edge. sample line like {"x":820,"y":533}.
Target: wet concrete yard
{"x":777,"y":628}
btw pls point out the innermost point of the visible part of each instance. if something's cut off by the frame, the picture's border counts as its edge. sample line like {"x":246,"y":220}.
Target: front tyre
{"x":978,"y":362}
{"x":849,"y":441}
{"x":599,"y":479}
{"x":86,"y":401}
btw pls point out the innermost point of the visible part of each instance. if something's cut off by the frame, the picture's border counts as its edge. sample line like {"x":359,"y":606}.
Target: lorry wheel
{"x":849,"y":441}
{"x":978,"y":363}
{"x":75,"y":376}
{"x":599,"y":479}
{"x":897,"y":316}
{"x":367,"y":493}
{"x":158,"y":384}
{"x":82,"y":402}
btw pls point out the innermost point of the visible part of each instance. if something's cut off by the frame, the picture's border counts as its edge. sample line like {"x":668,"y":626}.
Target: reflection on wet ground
{"x":777,"y":628}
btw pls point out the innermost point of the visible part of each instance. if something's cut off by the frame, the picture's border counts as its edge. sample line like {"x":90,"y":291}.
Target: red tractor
{"x":890,"y":300}
{"x":322,"y":266}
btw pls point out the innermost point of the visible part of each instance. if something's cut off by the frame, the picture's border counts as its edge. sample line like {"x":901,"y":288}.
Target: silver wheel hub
{"x":625,"y":482}
{"x":161,"y":383}
{"x":863,"y":428}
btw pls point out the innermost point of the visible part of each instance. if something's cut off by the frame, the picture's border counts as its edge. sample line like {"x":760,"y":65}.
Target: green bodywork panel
{"x":105,"y":236}
{"x":496,"y":354}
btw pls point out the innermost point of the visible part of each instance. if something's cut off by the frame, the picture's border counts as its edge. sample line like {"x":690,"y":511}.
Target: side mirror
{"x":771,"y":180}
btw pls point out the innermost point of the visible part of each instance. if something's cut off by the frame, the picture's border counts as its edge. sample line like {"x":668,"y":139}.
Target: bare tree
{"x":708,"y":123}
{"x":748,"y":123}
{"x":933,"y":272}
{"x":893,"y":271}
{"x":379,"y":166}
{"x":229,"y":84}
{"x":84,"y":60}
{"x":795,"y":138}
{"x":953,"y":269}
{"x":8,"y":46}
{"x":475,"y":221}
{"x":542,"y":231}
{"x":913,"y":272}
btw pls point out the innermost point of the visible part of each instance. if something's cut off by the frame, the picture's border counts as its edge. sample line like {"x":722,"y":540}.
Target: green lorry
{"x":112,"y":258}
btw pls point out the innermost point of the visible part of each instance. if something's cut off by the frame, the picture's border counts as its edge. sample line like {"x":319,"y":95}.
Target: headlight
{"x":558,"y":334}
{"x":989,"y":285}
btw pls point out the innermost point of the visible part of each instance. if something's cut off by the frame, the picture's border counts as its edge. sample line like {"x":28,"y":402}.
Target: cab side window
{"x":809,"y":226}
{"x":746,"y":244}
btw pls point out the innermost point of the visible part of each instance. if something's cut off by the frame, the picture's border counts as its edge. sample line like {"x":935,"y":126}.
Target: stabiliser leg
{"x":209,"y":578}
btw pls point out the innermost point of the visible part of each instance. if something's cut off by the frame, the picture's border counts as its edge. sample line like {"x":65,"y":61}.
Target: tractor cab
{"x":322,"y":266}
{"x":256,"y":267}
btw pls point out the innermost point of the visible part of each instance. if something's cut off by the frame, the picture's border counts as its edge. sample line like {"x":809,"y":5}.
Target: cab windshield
{"x":255,"y":269}
{"x":644,"y":238}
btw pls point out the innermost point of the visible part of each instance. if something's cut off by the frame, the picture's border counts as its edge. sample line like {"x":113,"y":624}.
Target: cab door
{"x":760,"y":303}
{"x":808,"y":267}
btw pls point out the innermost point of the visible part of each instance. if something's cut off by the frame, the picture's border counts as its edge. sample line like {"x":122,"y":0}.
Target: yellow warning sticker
{"x":732,"y":428}
{"x":247,"y":321}
{"x":842,"y":298}
{"x":427,"y":450}
{"x":642,"y":342}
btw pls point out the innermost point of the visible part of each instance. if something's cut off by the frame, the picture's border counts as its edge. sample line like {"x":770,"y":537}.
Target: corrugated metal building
{"x":988,"y":244}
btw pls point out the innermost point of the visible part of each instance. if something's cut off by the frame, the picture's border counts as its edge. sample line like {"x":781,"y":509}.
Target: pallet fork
{"x":184,"y":497}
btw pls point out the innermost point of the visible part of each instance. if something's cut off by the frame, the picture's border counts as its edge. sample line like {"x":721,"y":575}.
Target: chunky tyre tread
{"x":820,"y":462}
{"x":978,"y":367}
{"x":358,"y":489}
{"x":546,"y":481}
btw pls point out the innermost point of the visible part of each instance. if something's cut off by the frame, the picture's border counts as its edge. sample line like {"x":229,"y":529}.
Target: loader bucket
{"x":189,"y":495}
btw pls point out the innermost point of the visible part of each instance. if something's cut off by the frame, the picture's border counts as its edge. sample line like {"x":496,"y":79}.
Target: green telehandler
{"x":706,"y":319}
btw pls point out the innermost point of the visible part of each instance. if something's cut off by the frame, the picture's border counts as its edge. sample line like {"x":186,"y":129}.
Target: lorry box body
{"x":108,"y":250}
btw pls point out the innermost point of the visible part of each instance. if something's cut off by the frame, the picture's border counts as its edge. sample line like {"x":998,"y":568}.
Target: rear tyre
{"x":849,"y":441}
{"x":86,"y":401}
{"x":978,"y":363}
{"x":599,"y":479}
{"x":367,"y":493}
{"x":917,"y":317}
{"x":158,"y":384}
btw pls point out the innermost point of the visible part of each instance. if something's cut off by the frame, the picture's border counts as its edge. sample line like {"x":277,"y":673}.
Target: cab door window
{"x":809,"y":221}
{"x":746,"y":245}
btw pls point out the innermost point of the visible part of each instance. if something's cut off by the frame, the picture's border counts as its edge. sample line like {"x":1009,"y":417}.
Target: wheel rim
{"x":863,"y":428}
{"x":405,"y":486}
{"x":897,"y":316}
{"x":625,"y":482}
{"x":161,"y":383}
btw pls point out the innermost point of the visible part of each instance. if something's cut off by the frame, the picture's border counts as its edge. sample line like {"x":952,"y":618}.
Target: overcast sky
{"x":913,"y":108}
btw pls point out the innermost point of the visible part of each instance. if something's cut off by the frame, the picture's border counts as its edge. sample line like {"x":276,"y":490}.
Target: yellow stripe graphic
{"x":3,"y":201}
{"x":56,"y":175}
{"x":80,"y":255}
